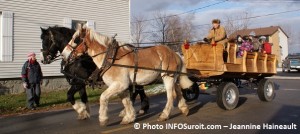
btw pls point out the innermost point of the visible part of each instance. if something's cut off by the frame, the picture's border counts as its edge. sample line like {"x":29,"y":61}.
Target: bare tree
{"x":161,"y":25}
{"x":172,"y":28}
{"x":237,"y":22}
{"x":187,"y":27}
{"x":138,"y":27}
{"x":180,"y":29}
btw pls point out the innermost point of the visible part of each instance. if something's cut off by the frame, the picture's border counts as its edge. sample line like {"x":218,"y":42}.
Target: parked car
{"x":291,"y":62}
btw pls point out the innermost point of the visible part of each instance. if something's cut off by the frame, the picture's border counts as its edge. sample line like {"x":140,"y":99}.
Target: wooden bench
{"x":235,"y":64}
{"x":251,"y":62}
{"x":206,"y":58}
{"x":271,"y":64}
{"x":262,"y":63}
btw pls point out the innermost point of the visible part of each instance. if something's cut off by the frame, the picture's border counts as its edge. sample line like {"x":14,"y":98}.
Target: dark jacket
{"x":31,"y":73}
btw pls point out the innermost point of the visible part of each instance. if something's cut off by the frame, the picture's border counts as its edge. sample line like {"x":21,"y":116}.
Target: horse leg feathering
{"x":113,"y":89}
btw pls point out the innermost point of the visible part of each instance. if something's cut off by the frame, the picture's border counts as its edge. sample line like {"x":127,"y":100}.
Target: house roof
{"x":266,"y":31}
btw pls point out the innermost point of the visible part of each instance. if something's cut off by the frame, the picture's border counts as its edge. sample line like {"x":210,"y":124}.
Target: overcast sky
{"x":231,"y":7}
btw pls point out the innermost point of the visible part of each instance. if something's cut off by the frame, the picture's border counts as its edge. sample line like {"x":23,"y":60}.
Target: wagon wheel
{"x":227,"y":96}
{"x":192,"y":93}
{"x":265,"y":90}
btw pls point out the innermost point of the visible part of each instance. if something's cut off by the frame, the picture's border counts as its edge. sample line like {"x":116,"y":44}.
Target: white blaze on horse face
{"x":68,"y":50}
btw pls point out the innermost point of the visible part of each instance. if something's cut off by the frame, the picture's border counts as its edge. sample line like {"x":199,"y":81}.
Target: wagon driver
{"x":217,"y":36}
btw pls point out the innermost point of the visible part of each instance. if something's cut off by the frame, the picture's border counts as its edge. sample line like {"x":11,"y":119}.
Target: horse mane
{"x":105,"y":40}
{"x":66,"y":32}
{"x":100,"y":38}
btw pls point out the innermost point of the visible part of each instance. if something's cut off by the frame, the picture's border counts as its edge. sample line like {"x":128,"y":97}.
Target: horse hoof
{"x":81,"y":117}
{"x":141,"y":112}
{"x":103,"y":123}
{"x":185,"y":112}
{"x":162,"y":119}
{"x":125,"y":122}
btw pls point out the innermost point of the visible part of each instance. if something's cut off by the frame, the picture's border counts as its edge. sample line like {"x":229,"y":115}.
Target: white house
{"x":21,"y":21}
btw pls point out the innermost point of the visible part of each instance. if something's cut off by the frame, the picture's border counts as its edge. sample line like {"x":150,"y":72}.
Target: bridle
{"x":110,"y":54}
{"x":49,"y":52}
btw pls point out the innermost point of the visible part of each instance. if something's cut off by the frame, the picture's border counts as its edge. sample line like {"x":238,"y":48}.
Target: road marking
{"x":292,"y":89}
{"x":125,"y":127}
{"x":117,"y":129}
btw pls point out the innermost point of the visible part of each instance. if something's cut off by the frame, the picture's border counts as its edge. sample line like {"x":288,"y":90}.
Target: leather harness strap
{"x":135,"y":69}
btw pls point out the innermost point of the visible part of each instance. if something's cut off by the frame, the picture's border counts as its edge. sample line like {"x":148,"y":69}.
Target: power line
{"x":252,"y":17}
{"x":190,"y":11}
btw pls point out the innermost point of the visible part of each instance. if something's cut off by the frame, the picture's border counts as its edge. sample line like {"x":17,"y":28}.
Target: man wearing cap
{"x":217,"y":35}
{"x":32,"y":78}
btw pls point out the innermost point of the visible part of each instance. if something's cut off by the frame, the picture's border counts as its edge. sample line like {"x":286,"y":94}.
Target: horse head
{"x":49,"y":47}
{"x":91,"y":44}
{"x":70,"y":53}
{"x":53,"y":40}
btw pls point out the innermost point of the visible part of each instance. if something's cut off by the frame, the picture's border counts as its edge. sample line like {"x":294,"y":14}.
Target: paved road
{"x":284,"y":110}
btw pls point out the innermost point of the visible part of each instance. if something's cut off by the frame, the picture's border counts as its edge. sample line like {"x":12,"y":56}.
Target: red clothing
{"x":267,"y":48}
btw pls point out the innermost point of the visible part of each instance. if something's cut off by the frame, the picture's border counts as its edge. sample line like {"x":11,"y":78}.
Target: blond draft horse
{"x":118,"y":79}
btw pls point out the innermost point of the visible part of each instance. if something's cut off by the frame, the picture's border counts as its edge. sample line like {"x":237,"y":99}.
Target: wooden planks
{"x":251,"y":62}
{"x":271,"y":64}
{"x":206,"y":61}
{"x":206,"y":58}
{"x":262,"y":63}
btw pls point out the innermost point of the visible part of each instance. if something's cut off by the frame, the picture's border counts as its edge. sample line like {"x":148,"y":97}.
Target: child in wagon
{"x":245,"y":46}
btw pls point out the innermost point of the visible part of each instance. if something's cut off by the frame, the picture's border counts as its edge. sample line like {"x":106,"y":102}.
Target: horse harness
{"x":111,"y":54}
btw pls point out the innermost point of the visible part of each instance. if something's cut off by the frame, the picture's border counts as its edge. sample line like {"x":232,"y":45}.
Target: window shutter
{"x":91,"y":24}
{"x":7,"y":36}
{"x":68,"y":22}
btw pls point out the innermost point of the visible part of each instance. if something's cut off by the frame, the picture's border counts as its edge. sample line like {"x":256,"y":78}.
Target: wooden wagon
{"x":214,"y":76}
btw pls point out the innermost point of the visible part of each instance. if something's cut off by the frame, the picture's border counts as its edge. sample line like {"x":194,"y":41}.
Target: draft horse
{"x":120,"y":78}
{"x":54,"y":40}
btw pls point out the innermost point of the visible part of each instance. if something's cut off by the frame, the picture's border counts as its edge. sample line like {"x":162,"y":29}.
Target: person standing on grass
{"x":32,"y":78}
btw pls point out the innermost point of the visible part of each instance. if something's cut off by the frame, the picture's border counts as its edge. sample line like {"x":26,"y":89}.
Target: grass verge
{"x":55,"y":100}
{"x":16,"y":103}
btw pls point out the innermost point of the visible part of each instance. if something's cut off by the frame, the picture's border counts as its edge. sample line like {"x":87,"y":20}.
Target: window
{"x":6,"y":36}
{"x":76,"y":22}
{"x":69,"y":23}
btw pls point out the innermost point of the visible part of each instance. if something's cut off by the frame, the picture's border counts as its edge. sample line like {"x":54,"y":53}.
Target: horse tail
{"x":184,"y":81}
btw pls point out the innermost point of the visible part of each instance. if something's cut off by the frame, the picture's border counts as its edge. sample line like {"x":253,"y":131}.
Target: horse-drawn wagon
{"x":203,"y":63}
{"x":214,"y":76}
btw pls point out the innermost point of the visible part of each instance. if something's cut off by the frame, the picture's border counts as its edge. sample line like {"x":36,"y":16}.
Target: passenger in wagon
{"x":239,"y":42}
{"x":246,"y":46}
{"x":266,"y":47}
{"x":254,"y":41}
